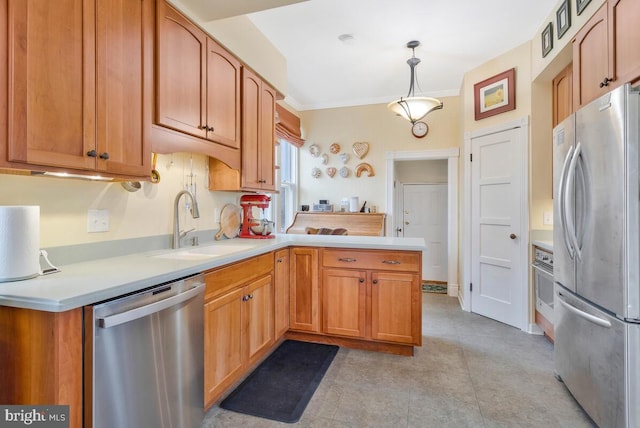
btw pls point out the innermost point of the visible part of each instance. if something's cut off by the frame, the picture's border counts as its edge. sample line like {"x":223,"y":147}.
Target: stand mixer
{"x":252,"y":227}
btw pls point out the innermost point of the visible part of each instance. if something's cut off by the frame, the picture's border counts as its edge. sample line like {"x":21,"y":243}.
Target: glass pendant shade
{"x":414,"y":108}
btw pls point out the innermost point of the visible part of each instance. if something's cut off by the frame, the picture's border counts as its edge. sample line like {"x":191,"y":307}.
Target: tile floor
{"x":470,"y":372}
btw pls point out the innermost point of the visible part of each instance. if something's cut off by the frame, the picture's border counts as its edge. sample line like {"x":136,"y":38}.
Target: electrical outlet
{"x":97,"y":221}
{"x":547,"y":218}
{"x":216,"y":215}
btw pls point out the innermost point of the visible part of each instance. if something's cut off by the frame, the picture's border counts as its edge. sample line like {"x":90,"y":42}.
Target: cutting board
{"x":229,"y":222}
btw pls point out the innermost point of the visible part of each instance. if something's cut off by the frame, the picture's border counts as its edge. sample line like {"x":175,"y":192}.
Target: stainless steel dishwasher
{"x":147,"y":365}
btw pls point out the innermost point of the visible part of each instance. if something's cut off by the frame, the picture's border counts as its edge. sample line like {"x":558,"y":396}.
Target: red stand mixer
{"x":253,"y":227}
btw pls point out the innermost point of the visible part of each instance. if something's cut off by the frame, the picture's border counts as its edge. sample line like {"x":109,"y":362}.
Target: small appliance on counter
{"x":252,"y":226}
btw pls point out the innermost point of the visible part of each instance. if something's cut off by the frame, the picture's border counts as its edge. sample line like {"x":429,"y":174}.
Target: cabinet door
{"x":223,"y":96}
{"x":591,"y":60}
{"x":304,"y":304}
{"x":267,"y":137}
{"x":51,"y":105}
{"x":281,"y":291}
{"x":124,"y":48}
{"x":181,"y":73}
{"x":392,"y":294}
{"x":223,"y":358}
{"x":563,"y":95}
{"x":251,"y":89}
{"x":344,"y":296}
{"x":259,"y":318}
{"x":624,"y":39}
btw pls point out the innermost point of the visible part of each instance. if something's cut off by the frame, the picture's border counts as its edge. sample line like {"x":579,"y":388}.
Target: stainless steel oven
{"x":543,"y":282}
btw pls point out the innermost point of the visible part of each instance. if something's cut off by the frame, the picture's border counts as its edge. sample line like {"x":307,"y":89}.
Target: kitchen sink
{"x":203,"y":253}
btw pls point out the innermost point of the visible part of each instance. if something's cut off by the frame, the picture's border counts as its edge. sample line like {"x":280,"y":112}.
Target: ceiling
{"x":456,"y":36}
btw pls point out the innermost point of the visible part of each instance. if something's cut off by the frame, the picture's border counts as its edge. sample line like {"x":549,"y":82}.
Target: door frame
{"x":522,"y":126}
{"x":452,"y":155}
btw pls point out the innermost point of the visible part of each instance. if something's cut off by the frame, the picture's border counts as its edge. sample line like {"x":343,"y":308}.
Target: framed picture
{"x":581,"y":5}
{"x":563,"y":18}
{"x":547,"y":39}
{"x":495,"y":95}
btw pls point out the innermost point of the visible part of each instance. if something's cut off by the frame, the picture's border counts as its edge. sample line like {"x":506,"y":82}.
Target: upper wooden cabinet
{"x":605,"y":53}
{"x":77,"y":79}
{"x":563,"y":95}
{"x":198,"y":87}
{"x":258,"y":133}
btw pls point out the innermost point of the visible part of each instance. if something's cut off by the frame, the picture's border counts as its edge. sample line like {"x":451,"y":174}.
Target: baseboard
{"x":452,"y":290}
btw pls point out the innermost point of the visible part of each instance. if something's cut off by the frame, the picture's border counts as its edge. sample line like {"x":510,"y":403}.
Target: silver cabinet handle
{"x":143,"y":311}
{"x":391,"y":262}
{"x":346,"y":259}
{"x":592,"y":318}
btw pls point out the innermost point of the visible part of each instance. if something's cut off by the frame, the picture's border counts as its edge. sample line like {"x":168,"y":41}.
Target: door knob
{"x":513,"y":236}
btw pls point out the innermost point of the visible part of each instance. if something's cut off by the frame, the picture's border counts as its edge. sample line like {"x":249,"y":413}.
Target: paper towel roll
{"x":19,"y":242}
{"x":354,"y":205}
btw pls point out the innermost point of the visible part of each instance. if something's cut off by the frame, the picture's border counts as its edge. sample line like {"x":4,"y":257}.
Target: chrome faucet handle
{"x":184,"y":233}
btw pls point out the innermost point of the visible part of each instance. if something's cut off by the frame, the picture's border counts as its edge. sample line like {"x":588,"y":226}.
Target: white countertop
{"x":546,"y":245}
{"x":90,"y":282}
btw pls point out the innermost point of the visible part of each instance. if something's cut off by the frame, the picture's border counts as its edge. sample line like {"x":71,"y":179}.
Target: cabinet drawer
{"x":221,"y":280}
{"x":406,"y":261}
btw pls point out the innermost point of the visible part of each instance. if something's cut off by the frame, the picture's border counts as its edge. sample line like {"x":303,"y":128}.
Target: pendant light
{"x":414,"y":108}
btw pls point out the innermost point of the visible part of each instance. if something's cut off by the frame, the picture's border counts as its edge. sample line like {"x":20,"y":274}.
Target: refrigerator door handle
{"x":586,"y":203}
{"x":561,"y":198}
{"x":570,"y":223}
{"x":592,"y":318}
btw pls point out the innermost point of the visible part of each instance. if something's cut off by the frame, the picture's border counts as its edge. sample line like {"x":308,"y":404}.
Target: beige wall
{"x":148,"y":212}
{"x":426,"y":171}
{"x":383,"y":131}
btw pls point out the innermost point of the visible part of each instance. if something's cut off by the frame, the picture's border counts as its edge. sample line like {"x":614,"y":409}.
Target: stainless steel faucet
{"x":176,"y":219}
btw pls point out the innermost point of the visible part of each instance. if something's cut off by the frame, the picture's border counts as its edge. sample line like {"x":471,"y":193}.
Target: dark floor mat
{"x":280,"y":388}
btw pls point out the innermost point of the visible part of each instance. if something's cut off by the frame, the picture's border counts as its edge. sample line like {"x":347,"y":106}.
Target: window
{"x":287,"y":177}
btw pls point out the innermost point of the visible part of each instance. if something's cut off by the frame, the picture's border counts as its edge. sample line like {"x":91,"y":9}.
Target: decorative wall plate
{"x":331,"y":171}
{"x":334,"y":148}
{"x":325,"y":158}
{"x":361,"y":167}
{"x":344,"y":172}
{"x":344,"y":157}
{"x":314,"y":149}
{"x":315,"y":172}
{"x":360,"y":149}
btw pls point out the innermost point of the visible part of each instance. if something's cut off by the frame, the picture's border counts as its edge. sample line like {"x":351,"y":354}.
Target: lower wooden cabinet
{"x":239,"y":322}
{"x":304,"y":300}
{"x":281,"y":292}
{"x":374,"y":305}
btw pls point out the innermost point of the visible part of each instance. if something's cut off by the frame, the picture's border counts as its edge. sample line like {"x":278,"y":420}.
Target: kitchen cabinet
{"x":281,"y":292}
{"x":563,"y":95}
{"x":304,"y":298}
{"x":258,"y":133}
{"x":198,"y":87}
{"x":239,"y":321}
{"x":41,"y":359}
{"x":372,"y":294}
{"x":605,"y":53}
{"x":77,"y":92}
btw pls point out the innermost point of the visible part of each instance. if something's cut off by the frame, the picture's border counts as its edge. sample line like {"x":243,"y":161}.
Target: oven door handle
{"x":592,"y":318}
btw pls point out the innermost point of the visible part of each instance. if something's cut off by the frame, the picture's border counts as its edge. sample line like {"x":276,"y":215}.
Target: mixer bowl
{"x":262,"y":228}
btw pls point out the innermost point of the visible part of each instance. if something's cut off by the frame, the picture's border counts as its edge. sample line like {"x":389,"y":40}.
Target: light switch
{"x":547,"y":218}
{"x":97,"y":221}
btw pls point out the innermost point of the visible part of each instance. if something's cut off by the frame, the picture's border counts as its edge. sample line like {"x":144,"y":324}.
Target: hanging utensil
{"x":155,"y":175}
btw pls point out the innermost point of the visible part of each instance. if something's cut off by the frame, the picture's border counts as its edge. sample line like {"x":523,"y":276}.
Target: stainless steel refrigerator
{"x":596,"y":239}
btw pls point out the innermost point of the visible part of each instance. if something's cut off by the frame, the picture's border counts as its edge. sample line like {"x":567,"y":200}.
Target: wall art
{"x":495,"y":95}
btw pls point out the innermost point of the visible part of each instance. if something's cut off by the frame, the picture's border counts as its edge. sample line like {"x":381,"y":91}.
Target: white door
{"x":425,"y":216}
{"x":496,"y":224}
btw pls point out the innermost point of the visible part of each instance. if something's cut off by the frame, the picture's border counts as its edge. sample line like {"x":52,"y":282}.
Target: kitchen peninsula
{"x":41,"y":320}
